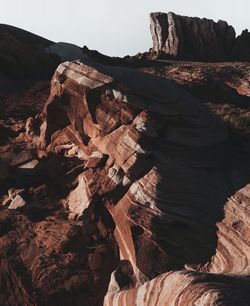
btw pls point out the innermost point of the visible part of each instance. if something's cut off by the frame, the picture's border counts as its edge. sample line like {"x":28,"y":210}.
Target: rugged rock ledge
{"x":165,"y":203}
{"x":192,"y":38}
{"x":142,"y":141}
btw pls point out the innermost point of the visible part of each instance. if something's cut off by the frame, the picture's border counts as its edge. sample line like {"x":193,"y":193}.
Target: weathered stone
{"x":94,"y":160}
{"x":192,"y":38}
{"x":17,"y":202}
{"x":182,"y":288}
{"x":152,"y":198}
{"x":30,"y":165}
{"x":14,"y":192}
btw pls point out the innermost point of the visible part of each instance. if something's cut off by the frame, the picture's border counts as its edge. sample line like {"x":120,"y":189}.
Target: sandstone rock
{"x":17,"y":202}
{"x":183,"y":288}
{"x":149,"y":202}
{"x":14,"y":192}
{"x":199,"y":39}
{"x":145,"y":159}
{"x":233,"y":248}
{"x":30,"y":165}
{"x":94,"y":160}
{"x":191,"y":38}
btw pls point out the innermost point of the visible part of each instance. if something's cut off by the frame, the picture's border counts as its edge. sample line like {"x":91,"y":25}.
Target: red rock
{"x":167,"y":190}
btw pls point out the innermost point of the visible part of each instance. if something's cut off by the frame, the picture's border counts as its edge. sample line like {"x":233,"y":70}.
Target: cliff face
{"x":192,"y":38}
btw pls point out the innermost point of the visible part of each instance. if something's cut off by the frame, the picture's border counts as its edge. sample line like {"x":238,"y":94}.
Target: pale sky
{"x":113,"y":27}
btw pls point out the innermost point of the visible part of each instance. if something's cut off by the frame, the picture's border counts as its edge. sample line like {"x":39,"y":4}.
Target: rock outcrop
{"x":185,"y":288}
{"x":192,"y":38}
{"x":165,"y":203}
{"x":130,"y":183}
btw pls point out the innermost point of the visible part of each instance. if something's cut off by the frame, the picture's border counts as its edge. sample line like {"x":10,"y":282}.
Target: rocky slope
{"x":192,"y":38}
{"x":126,"y":184}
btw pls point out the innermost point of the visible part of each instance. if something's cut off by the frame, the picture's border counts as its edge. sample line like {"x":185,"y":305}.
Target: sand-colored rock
{"x":17,"y":202}
{"x":184,"y":288}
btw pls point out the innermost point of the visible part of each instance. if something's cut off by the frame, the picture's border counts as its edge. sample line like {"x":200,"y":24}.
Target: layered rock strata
{"x":192,"y":38}
{"x":152,"y":190}
{"x":184,"y":288}
{"x":119,"y":157}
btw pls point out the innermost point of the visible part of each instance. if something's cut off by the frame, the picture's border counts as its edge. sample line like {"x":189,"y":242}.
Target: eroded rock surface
{"x":126,"y":177}
{"x":165,"y":203}
{"x":192,"y":38}
{"x":185,"y":288}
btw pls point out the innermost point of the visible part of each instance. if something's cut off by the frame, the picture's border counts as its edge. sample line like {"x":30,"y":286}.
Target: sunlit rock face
{"x":191,"y":37}
{"x":185,"y":288}
{"x":233,"y":248}
{"x":162,"y":175}
{"x":198,"y":39}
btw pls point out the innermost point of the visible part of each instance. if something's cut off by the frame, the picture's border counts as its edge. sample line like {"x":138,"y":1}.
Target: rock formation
{"x":152,"y":190}
{"x":192,"y":38}
{"x":127,"y":184}
{"x":193,"y":289}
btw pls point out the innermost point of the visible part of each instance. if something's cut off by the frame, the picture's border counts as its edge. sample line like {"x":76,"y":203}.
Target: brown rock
{"x":146,"y":165}
{"x":198,"y":39}
{"x":176,"y":287}
{"x":191,"y":38}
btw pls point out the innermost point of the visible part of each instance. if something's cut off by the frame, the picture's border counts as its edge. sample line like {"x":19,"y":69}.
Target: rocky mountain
{"x":124,"y":181}
{"x":192,"y":38}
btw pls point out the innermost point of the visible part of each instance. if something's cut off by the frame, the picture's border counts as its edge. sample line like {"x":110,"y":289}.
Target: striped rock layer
{"x":198,"y":39}
{"x":185,"y":288}
{"x":157,"y":159}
